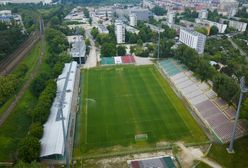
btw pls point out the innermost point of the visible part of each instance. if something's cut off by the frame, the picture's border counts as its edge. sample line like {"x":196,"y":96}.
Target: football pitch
{"x":121,"y":102}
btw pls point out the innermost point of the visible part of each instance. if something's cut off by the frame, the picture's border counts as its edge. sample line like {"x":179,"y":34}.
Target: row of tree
{"x":11,"y":37}
{"x":44,"y":88}
{"x":9,"y":84}
{"x":29,"y":147}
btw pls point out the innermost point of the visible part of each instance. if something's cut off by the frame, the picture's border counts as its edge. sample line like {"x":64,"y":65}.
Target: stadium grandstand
{"x":52,"y":142}
{"x":214,"y":112}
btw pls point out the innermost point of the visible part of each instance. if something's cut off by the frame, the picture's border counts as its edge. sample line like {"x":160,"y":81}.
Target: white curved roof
{"x":52,"y":141}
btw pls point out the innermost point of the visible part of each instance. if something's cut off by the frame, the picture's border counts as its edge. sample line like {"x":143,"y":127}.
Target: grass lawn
{"x":122,"y":101}
{"x":237,"y":160}
{"x":15,"y":127}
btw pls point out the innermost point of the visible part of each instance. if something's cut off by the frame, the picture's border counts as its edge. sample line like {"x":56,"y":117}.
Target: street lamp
{"x":243,"y":89}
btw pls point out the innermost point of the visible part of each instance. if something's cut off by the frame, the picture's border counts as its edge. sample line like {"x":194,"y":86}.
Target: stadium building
{"x":78,"y":48}
{"x":52,"y":142}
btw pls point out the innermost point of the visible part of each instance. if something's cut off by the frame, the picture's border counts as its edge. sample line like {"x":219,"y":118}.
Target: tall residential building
{"x":133,"y":19}
{"x":120,"y":32}
{"x":221,"y":27}
{"x":232,"y":12}
{"x":240,"y":26}
{"x":193,"y":39}
{"x":171,"y":17}
{"x":203,"y":14}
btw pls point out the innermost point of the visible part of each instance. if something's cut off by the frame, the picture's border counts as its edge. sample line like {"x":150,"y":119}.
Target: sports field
{"x":120,"y":102}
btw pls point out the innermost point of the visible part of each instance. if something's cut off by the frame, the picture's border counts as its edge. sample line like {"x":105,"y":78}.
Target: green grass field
{"x":123,"y":101}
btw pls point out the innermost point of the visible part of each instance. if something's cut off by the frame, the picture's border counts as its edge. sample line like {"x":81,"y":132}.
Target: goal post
{"x":141,"y":137}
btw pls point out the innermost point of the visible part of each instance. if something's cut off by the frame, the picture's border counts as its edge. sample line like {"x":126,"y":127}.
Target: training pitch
{"x":119,"y":103}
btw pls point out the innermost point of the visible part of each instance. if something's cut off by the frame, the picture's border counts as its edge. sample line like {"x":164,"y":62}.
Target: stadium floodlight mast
{"x":243,"y":89}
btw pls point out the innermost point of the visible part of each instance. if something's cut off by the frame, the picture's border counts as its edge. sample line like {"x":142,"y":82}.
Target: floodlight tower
{"x":243,"y":89}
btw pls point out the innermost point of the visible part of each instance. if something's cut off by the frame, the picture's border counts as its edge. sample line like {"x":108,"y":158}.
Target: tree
{"x":8,"y":86}
{"x":54,"y":21}
{"x":225,"y":87}
{"x":39,"y":84}
{"x":29,"y":149}
{"x":86,"y":12}
{"x":121,"y":50}
{"x":202,"y":30}
{"x":36,"y":130}
{"x":244,"y":109}
{"x":214,"y":30}
{"x":157,"y":10}
{"x":108,"y":50}
{"x":94,"y":32}
{"x":140,"y":42}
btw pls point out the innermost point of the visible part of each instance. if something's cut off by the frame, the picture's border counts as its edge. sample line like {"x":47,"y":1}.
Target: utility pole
{"x":243,"y":90}
{"x":158,"y":43}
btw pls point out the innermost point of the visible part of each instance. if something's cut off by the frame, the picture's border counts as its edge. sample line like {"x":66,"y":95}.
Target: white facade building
{"x":193,"y":39}
{"x":133,"y":20}
{"x":131,"y":29}
{"x":240,"y":26}
{"x":102,"y":29}
{"x":203,"y":14}
{"x":120,"y":32}
{"x":221,"y":27}
{"x":171,"y":17}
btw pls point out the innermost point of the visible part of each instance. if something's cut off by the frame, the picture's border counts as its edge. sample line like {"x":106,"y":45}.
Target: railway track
{"x":8,"y":64}
{"x":34,"y":73}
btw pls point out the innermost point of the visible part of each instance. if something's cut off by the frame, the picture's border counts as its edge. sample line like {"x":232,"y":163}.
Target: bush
{"x":36,"y":130}
{"x":29,"y":149}
{"x":42,"y":109}
{"x":39,"y":83}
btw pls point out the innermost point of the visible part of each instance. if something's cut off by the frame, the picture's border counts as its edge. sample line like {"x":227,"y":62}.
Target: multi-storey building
{"x":102,"y":29}
{"x":120,"y":31}
{"x":133,"y":19}
{"x":240,"y":26}
{"x":221,"y":27}
{"x":171,"y":17}
{"x":193,"y":39}
{"x":203,"y":14}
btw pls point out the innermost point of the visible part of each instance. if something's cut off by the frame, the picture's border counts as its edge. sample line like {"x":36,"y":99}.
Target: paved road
{"x":27,"y":83}
{"x":237,"y":47}
{"x":94,"y":55}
